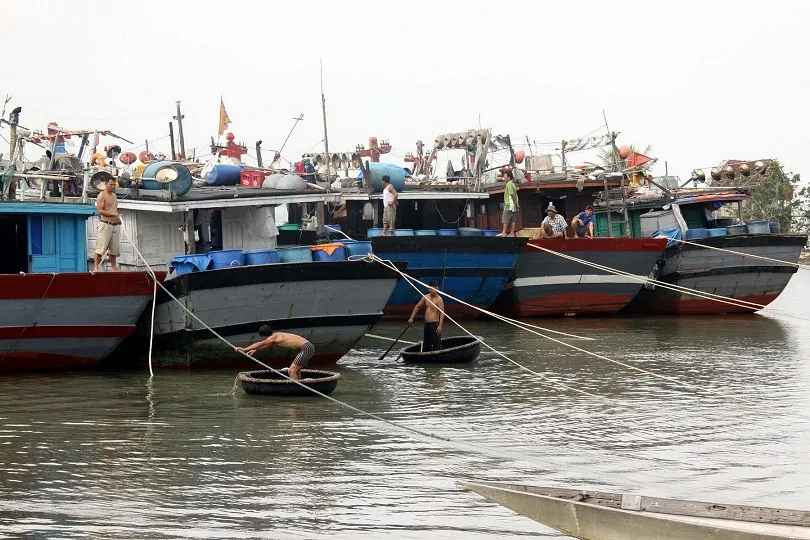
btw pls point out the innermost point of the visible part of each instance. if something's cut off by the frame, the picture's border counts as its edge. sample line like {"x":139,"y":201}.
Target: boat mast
{"x":319,"y":210}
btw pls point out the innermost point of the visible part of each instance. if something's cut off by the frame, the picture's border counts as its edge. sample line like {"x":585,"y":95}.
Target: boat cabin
{"x":43,"y":236}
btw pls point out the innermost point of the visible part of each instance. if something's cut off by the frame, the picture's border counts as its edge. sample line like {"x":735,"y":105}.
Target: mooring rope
{"x":596,"y":355}
{"x":742,"y":254}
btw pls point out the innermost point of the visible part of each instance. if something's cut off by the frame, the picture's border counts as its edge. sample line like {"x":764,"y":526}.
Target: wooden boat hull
{"x":455,"y":350}
{"x":721,"y":273}
{"x":268,"y":383}
{"x":58,"y":321}
{"x":559,"y":510}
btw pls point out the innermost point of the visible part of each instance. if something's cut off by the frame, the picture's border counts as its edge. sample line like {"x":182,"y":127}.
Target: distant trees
{"x":778,"y":196}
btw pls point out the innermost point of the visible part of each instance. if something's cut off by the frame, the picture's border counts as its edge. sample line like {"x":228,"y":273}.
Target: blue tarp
{"x":670,"y":234}
{"x":200,"y":262}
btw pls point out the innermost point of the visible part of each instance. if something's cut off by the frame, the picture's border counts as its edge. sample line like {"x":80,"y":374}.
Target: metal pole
{"x":607,"y":205}
{"x":179,"y":119}
{"x":147,"y":144}
{"x":171,"y":139}
{"x":259,"y":152}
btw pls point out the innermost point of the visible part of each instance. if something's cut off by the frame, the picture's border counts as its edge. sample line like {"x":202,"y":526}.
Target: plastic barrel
{"x":447,"y":232}
{"x":395,"y":172}
{"x":357,"y":248}
{"x":403,"y":232}
{"x":290,"y":227}
{"x":295,"y":254}
{"x":490,"y":232}
{"x":424,"y":232}
{"x":736,"y":230}
{"x":328,"y":252}
{"x":371,"y":233}
{"x":717,"y":232}
{"x":694,"y":234}
{"x":469,"y":231}
{"x":227,"y":258}
{"x":224,"y":175}
{"x":758,"y":227}
{"x":182,"y":177}
{"x":776,"y":227}
{"x":261,"y":256}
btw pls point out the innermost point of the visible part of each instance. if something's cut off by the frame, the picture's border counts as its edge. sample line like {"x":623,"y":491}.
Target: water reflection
{"x":117,"y":455}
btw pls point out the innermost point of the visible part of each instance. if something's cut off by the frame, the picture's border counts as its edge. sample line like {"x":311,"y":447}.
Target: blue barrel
{"x":227,"y":258}
{"x":224,"y":174}
{"x":395,"y":172}
{"x":469,"y":231}
{"x":354,"y":247}
{"x":295,"y":254}
{"x":447,"y":232}
{"x":261,"y":256}
{"x":403,"y":232}
{"x":717,"y":232}
{"x":490,"y":232}
{"x":694,"y":234}
{"x":328,"y":252}
{"x":776,"y":227}
{"x":424,"y":232}
{"x":182,"y":177}
{"x":371,"y":233}
{"x":759,"y":227}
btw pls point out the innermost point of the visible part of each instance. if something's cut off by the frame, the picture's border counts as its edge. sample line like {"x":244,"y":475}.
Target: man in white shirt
{"x":389,"y":206}
{"x":554,"y":225}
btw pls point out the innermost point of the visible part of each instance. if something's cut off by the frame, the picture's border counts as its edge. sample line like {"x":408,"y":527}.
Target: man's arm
{"x":440,"y":305}
{"x":394,"y":191}
{"x":263,"y":344}
{"x":416,"y":309}
{"x":515,"y":199}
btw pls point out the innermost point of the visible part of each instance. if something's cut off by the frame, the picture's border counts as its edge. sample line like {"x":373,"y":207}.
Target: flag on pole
{"x":223,"y":117}
{"x":637,"y":160}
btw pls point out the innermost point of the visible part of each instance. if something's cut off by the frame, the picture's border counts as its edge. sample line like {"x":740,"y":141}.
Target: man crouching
{"x":285,"y":341}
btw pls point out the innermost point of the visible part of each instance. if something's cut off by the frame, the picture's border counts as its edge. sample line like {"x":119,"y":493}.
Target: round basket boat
{"x":455,"y":350}
{"x":270,"y":383}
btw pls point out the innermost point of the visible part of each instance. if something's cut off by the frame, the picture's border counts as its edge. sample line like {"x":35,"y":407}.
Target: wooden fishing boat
{"x":455,"y":350}
{"x":610,"y":516}
{"x":270,"y":383}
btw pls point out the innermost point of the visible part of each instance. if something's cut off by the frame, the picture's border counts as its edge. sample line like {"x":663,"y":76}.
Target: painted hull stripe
{"x":60,"y":332}
{"x":578,"y":279}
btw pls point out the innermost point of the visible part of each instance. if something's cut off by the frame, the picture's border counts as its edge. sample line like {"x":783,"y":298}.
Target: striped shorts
{"x":304,"y":355}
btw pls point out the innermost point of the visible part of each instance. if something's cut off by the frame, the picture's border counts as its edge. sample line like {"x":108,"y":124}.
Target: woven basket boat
{"x":455,"y":350}
{"x":269,"y":383}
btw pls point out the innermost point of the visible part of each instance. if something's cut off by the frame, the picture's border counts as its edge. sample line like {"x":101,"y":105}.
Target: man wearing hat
{"x":554,"y":225}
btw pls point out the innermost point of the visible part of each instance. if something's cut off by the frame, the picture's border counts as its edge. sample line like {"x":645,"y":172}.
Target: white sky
{"x":699,"y":81}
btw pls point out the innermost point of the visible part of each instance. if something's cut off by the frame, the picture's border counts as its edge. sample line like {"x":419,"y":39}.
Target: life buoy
{"x":127,"y":158}
{"x":146,"y":157}
{"x":97,"y":159}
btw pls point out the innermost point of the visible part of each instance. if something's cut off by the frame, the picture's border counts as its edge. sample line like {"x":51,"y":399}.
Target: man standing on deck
{"x":390,"y":197}
{"x":434,"y":318}
{"x":109,"y":226}
{"x":286,"y":341}
{"x":510,"y":204}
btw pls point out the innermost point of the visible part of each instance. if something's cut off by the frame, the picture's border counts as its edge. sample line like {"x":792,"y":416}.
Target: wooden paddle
{"x":394,"y":343}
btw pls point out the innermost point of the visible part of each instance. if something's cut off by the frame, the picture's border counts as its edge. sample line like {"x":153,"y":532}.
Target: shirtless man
{"x":109,"y":225}
{"x":434,"y":318}
{"x":286,"y":341}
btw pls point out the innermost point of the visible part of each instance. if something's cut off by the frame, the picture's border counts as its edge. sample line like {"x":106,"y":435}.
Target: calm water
{"x":112,"y":455}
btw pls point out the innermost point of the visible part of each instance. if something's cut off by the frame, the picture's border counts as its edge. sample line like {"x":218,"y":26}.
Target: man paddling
{"x":434,"y":318}
{"x":285,"y":341}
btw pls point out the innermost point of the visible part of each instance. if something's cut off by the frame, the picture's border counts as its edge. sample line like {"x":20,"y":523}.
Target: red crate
{"x":252,"y":179}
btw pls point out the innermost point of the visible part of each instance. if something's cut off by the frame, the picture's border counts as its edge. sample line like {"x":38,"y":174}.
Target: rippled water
{"x":111,"y":455}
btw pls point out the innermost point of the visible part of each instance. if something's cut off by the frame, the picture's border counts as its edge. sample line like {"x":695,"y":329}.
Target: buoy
{"x":520,"y":155}
{"x":624,"y":152}
{"x":729,"y":170}
{"x":745,"y":170}
{"x":146,"y":157}
{"x":97,"y":159}
{"x":127,"y":158}
{"x":715,"y":173}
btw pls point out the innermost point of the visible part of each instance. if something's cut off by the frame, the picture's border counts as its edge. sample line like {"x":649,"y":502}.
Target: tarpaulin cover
{"x":201,"y":262}
{"x":670,"y":234}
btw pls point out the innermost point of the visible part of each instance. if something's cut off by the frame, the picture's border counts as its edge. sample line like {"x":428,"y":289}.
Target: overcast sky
{"x":699,"y":81}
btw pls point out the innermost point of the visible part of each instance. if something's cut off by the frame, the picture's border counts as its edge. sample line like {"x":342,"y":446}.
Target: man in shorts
{"x":510,"y":205}
{"x":109,"y":226}
{"x":286,"y":341}
{"x":434,"y":318}
{"x":389,"y":206}
{"x":583,"y":223}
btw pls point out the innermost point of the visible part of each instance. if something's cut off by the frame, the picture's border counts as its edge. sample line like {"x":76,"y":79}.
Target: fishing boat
{"x":455,"y":350}
{"x":54,"y":314}
{"x":438,"y":226}
{"x":708,"y":259}
{"x":592,"y":515}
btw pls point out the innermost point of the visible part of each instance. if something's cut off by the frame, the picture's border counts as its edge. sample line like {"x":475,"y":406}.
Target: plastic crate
{"x":252,"y":179}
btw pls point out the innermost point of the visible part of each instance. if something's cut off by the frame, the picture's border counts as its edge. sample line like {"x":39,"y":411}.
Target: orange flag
{"x":636,"y":160}
{"x":223,"y":117}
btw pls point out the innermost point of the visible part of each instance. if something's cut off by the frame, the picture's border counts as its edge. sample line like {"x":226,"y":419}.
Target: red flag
{"x":636,"y":160}
{"x":223,"y":117}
